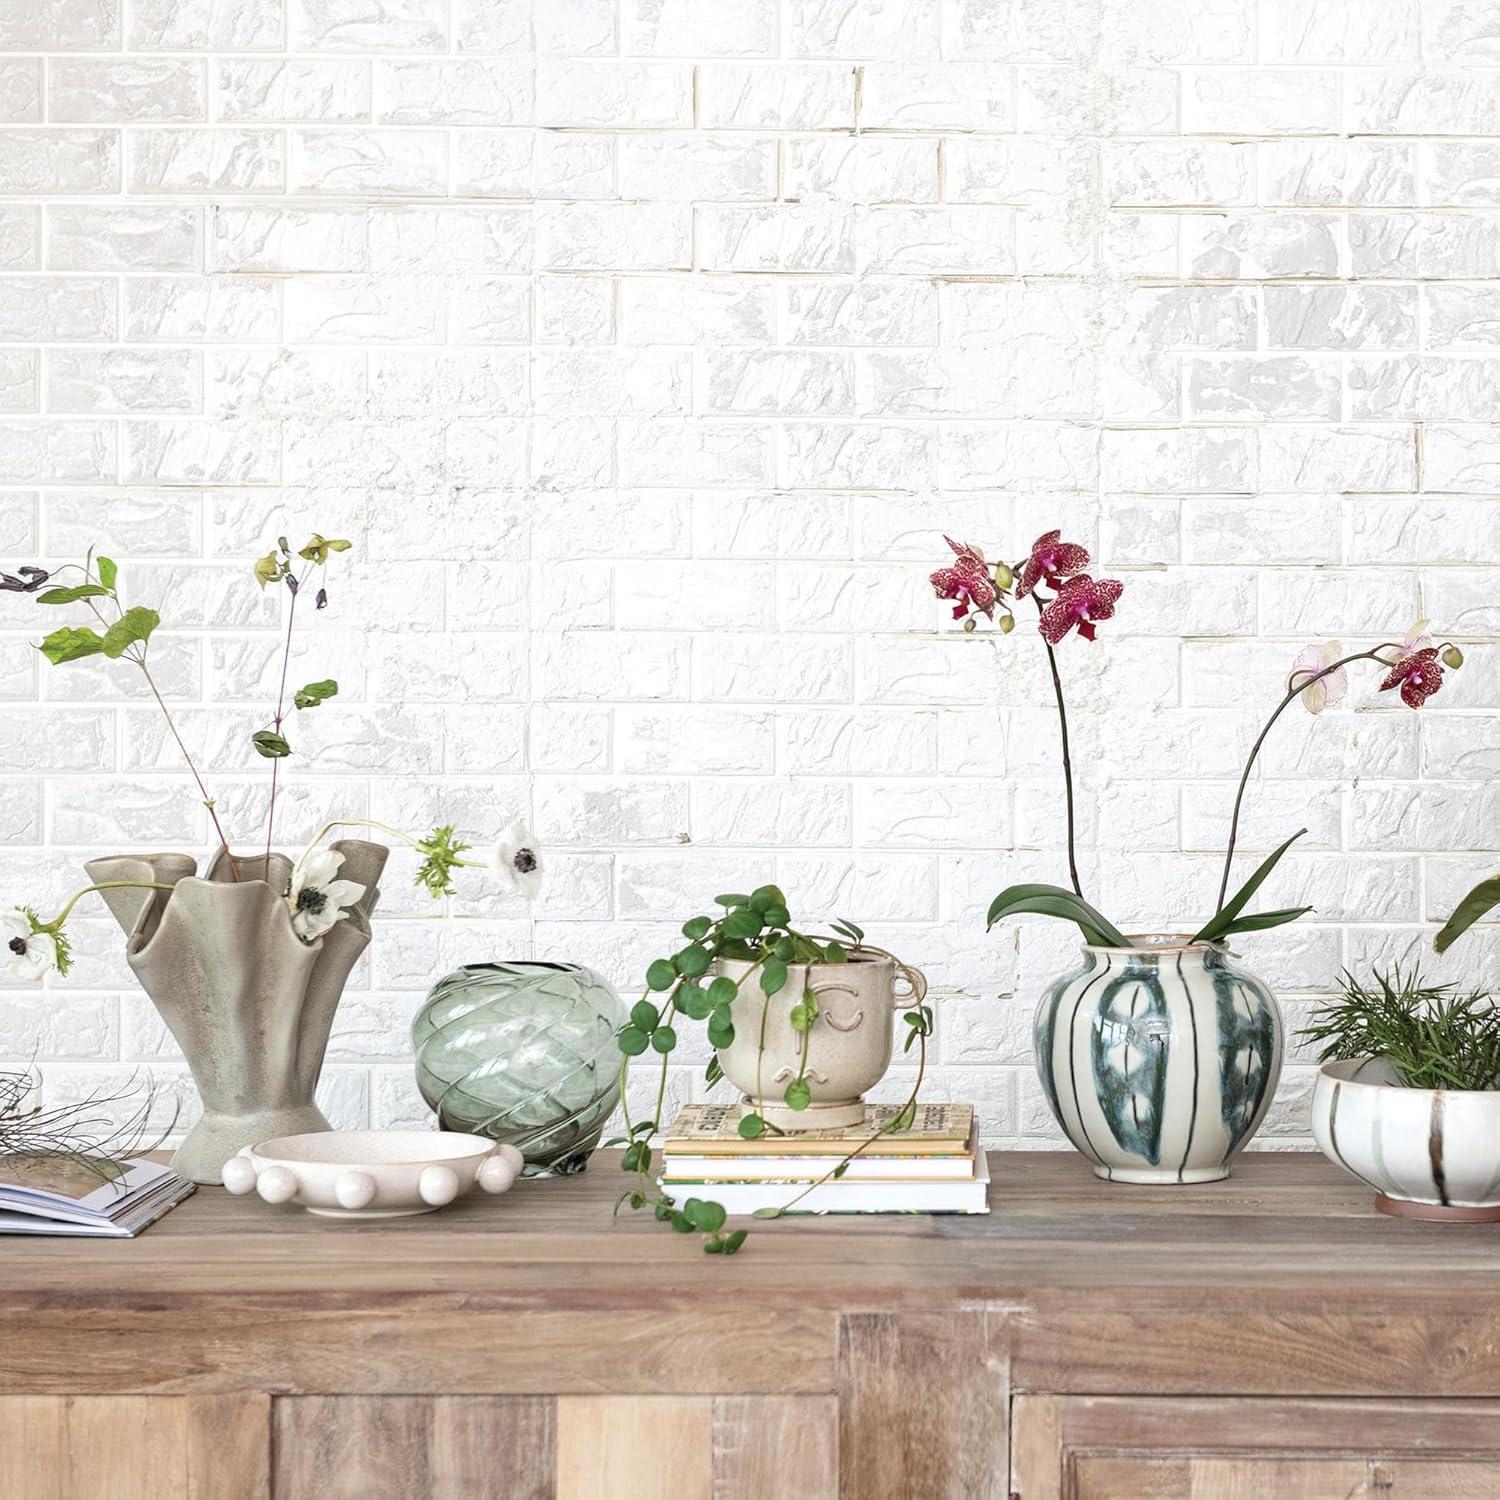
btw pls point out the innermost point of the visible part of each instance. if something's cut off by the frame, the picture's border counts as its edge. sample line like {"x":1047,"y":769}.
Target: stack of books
{"x":935,"y":1167}
{"x":48,"y":1194}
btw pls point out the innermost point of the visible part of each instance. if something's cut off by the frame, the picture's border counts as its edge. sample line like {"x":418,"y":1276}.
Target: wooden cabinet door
{"x":1166,"y":1448}
{"x":555,"y":1448}
{"x":134,"y":1447}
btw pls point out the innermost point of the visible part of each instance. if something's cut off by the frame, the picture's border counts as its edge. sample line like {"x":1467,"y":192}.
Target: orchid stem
{"x":1062,"y":719}
{"x":104,"y":885}
{"x":1298,"y":683}
{"x":286,"y":657}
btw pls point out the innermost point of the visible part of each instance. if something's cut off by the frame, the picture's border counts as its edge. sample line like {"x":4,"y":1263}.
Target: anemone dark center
{"x":309,"y":898}
{"x":18,"y":946}
{"x":525,"y":861}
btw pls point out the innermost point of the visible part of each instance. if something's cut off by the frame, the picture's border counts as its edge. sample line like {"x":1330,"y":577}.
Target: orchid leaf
{"x":1220,"y":923}
{"x":1258,"y":921}
{"x":1483,"y":898}
{"x":1056,"y":901}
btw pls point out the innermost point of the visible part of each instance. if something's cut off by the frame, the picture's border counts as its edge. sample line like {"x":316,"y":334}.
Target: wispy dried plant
{"x":88,"y":1132}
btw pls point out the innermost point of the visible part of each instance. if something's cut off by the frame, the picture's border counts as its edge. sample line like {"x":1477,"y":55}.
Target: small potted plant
{"x":1159,"y":1054}
{"x":247,"y":962}
{"x":1408,"y":1097}
{"x":801,"y":1025}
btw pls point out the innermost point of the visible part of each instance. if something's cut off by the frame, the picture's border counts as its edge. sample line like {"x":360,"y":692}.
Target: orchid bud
{"x":969,"y":625}
{"x":1452,"y":657}
{"x":1003,"y":578}
{"x":1007,"y":624}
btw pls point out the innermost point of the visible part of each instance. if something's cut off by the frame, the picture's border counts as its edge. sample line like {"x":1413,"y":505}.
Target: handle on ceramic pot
{"x":916,"y":980}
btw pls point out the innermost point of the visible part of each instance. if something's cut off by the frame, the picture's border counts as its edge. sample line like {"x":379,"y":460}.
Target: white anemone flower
{"x":517,"y":862}
{"x":25,"y":954}
{"x":318,"y":898}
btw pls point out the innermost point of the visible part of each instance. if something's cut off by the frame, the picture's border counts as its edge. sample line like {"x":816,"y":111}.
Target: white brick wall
{"x":645,"y":348}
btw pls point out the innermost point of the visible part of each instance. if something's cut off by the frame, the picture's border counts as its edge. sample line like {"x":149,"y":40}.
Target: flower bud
{"x":1453,"y":657}
{"x":1007,"y":624}
{"x":969,"y":625}
{"x":1003,"y":578}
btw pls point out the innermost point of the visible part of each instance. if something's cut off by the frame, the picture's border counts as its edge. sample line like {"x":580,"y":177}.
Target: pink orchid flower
{"x":1051,"y":562}
{"x":1417,"y":671}
{"x":1080,"y":603}
{"x":967,"y":580}
{"x":1326,"y":692}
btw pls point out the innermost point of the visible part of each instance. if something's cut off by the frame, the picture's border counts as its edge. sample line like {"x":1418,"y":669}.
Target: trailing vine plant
{"x":755,"y":929}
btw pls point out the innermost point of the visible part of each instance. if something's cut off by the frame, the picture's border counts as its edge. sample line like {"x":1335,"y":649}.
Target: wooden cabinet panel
{"x":393,"y":1447}
{"x":1160,"y":1448}
{"x":134,"y":1447}
{"x":769,"y":1447}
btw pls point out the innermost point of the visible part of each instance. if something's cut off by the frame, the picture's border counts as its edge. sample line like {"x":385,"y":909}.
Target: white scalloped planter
{"x":372,"y":1174}
{"x":1428,"y":1153}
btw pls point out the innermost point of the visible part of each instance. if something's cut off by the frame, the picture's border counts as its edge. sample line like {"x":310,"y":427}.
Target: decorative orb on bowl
{"x":523,"y":1053}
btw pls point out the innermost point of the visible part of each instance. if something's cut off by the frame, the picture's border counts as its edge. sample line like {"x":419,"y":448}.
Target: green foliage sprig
{"x":1433,"y":1038}
{"x":755,"y":929}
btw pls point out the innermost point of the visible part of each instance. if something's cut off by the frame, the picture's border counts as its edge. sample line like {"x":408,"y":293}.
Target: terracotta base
{"x":1450,"y":1213}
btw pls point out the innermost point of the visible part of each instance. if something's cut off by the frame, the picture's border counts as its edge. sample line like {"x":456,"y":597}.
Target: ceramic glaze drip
{"x":1159,"y":1062}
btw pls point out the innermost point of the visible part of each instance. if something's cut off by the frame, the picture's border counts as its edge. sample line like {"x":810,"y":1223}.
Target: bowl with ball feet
{"x":372,"y":1174}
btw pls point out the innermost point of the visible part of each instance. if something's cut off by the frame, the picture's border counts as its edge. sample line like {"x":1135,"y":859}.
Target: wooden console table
{"x":1267,"y":1336}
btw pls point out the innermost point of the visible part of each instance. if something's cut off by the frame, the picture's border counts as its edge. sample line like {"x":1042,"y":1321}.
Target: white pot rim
{"x":1155,"y":943}
{"x":1345,"y":1072}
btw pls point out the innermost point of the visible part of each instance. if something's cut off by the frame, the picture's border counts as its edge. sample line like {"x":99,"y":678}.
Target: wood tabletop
{"x":1289,"y":1254}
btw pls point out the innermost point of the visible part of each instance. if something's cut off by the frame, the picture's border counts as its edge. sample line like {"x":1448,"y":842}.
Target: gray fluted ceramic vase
{"x":1159,"y":1061}
{"x":249,"y":1002}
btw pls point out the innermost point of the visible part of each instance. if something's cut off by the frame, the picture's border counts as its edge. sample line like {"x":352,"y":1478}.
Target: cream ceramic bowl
{"x":371,"y":1174}
{"x":1428,"y":1153}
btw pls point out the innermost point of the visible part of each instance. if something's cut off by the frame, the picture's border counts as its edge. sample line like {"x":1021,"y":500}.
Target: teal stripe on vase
{"x":1160,"y":1061}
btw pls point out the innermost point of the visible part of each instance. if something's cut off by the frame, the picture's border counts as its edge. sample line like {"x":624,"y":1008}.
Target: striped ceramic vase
{"x":1159,"y":1061}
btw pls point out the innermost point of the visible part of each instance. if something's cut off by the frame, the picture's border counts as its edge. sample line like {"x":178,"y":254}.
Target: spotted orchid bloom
{"x":968,"y":581}
{"x":1052,"y":561}
{"x":1327,"y":691}
{"x":1419,"y":674}
{"x":1080,"y":603}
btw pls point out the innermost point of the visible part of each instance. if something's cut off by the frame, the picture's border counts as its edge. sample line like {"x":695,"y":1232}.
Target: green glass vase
{"x":523,"y":1053}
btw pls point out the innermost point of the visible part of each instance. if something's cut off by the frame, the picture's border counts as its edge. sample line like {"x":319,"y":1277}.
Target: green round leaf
{"x":704,"y":1216}
{"x":731,"y":900}
{"x":661,"y":975}
{"x":720,"y":1031}
{"x":776,"y":916}
{"x":693,"y":961}
{"x":798,"y":1095}
{"x":644,"y":1015}
{"x":799,"y":1019}
{"x":664,"y":1039}
{"x":772,"y":976}
{"x":767,"y":895}
{"x":681,"y":1223}
{"x":742,"y":923}
{"x":697,"y":928}
{"x":784,"y":948}
{"x":632,"y":1041}
{"x":694,"y":1003}
{"x":834,"y":953}
{"x":729,"y":1243}
{"x":752,"y":1127}
{"x":722,"y":990}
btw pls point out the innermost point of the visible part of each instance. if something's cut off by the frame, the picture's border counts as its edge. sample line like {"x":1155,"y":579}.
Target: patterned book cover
{"x":938,"y":1130}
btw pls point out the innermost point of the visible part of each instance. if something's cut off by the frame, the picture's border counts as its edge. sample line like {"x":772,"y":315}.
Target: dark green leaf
{"x":315,"y":693}
{"x":270,"y":744}
{"x":741,"y":923}
{"x":731,"y":1242}
{"x":834,"y":953}
{"x":694,"y":1002}
{"x":697,"y":928}
{"x":693,"y":961}
{"x":766,"y":895}
{"x":661,"y":975}
{"x":751,"y":1127}
{"x":71,"y":643}
{"x":720,"y":1029}
{"x":704,"y":1215}
{"x":644,"y":1015}
{"x":1482,"y":899}
{"x":1219,"y":924}
{"x":772,"y":976}
{"x":798,"y":1095}
{"x":632,"y":1041}
{"x":776,"y":916}
{"x":855,"y":934}
{"x":839,"y":1170}
{"x":1260,"y":920}
{"x":73,"y":594}
{"x":133,"y":626}
{"x":664,"y":1039}
{"x":785,"y":948}
{"x":732,"y":900}
{"x":722,"y":990}
{"x":1055,"y":901}
{"x":713,"y":1073}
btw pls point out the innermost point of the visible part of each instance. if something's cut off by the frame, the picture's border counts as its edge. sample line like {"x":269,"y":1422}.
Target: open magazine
{"x":70,"y":1195}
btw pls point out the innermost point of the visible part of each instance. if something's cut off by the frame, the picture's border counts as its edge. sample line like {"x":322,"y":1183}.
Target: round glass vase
{"x":523,"y":1053}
